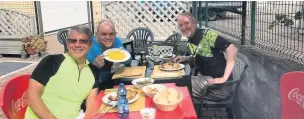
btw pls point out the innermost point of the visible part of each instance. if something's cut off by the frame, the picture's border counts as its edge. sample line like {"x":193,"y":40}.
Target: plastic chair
{"x":174,"y":38}
{"x":238,"y":74}
{"x":62,"y":36}
{"x":292,"y":95}
{"x":164,"y":49}
{"x":13,"y":98}
{"x":141,"y":37}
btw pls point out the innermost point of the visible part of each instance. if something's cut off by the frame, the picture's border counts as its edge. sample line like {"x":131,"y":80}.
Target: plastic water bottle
{"x":122,"y":103}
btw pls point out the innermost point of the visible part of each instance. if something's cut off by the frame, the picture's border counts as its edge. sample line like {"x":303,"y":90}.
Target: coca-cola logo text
{"x":295,"y":95}
{"x":19,"y":103}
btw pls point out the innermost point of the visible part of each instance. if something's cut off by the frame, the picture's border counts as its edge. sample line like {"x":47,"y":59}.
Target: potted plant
{"x":34,"y":44}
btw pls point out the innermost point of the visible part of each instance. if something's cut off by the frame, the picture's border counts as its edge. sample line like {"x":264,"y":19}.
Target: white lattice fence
{"x":13,"y":27}
{"x":159,"y":16}
{"x":15,"y":24}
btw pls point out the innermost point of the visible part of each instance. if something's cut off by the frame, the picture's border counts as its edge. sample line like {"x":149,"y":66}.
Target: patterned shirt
{"x":208,"y":47}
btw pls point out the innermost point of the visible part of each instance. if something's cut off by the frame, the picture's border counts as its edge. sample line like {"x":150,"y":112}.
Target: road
{"x":283,"y":40}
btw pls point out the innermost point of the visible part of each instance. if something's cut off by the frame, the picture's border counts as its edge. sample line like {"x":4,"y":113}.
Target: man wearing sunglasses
{"x":60,"y":83}
{"x":105,"y":39}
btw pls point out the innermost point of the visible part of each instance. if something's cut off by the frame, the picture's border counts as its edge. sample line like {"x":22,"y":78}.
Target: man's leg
{"x":214,"y":93}
{"x":218,"y":93}
{"x":199,"y":85}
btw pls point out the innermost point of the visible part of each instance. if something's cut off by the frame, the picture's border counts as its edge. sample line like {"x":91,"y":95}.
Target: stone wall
{"x":259,"y":95}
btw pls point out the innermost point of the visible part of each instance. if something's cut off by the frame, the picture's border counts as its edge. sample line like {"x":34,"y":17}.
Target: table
{"x":180,"y":81}
{"x":125,"y":43}
{"x":185,"y":110}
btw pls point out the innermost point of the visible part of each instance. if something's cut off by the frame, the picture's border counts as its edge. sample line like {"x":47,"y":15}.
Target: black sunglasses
{"x":81,"y":41}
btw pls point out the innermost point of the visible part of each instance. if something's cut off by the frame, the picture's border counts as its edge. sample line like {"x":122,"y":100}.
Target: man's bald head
{"x":105,"y":23}
{"x":106,"y":33}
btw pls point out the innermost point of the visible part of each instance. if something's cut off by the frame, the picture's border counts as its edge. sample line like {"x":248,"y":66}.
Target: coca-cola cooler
{"x":292,"y":95}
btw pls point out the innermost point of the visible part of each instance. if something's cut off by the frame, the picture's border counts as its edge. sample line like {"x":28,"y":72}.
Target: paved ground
{"x":54,"y":47}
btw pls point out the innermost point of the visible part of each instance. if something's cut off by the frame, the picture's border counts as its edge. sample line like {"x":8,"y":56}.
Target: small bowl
{"x":147,"y":113}
{"x":140,"y":86}
{"x":159,"y":88}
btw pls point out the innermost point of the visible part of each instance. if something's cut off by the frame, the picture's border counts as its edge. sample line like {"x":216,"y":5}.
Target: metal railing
{"x":274,"y":26}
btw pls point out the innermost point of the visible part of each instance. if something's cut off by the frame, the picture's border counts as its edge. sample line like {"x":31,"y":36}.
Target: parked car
{"x":218,"y":9}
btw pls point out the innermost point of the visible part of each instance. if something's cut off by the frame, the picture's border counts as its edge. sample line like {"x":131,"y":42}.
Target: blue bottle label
{"x":126,"y":108}
{"x":120,"y":109}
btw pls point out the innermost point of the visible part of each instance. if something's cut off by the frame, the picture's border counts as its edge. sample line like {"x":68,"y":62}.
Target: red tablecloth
{"x":185,"y":110}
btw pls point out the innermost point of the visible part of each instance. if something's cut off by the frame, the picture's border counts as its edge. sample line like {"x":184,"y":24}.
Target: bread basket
{"x":168,"y":107}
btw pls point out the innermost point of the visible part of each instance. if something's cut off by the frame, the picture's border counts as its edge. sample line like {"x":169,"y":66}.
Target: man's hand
{"x":99,"y":61}
{"x":179,"y":59}
{"x":217,"y":80}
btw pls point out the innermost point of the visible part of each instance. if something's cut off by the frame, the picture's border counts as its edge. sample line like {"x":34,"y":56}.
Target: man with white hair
{"x":206,"y":48}
{"x":60,"y":83}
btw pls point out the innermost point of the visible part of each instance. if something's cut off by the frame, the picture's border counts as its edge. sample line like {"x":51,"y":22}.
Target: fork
{"x":99,"y":117}
{"x":103,"y":107}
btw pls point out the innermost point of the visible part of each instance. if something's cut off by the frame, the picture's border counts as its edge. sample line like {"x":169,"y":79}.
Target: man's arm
{"x":46,"y":68}
{"x":93,"y":93}
{"x":35,"y":102}
{"x":230,"y":61}
{"x":222,"y":44}
{"x":179,"y":59}
{"x":91,"y":99}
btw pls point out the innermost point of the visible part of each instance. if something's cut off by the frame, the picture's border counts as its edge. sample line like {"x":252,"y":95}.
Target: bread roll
{"x":168,"y":96}
{"x":173,"y":96}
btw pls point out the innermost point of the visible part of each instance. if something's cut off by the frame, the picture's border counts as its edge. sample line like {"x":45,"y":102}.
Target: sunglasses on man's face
{"x":81,"y":41}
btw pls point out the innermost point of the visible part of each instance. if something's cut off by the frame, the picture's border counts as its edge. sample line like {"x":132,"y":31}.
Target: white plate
{"x":105,"y":99}
{"x":134,"y":82}
{"x":113,"y":49}
{"x":159,"y":87}
{"x":182,"y":66}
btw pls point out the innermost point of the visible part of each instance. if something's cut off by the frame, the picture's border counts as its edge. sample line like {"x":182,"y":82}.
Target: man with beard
{"x":206,"y":48}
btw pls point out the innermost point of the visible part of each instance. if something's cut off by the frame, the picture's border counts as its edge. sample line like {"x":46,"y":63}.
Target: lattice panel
{"x":159,"y":16}
{"x":156,"y":52}
{"x":15,"y":24}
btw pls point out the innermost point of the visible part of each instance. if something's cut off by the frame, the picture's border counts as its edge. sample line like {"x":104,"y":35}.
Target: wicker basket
{"x":168,"y":107}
